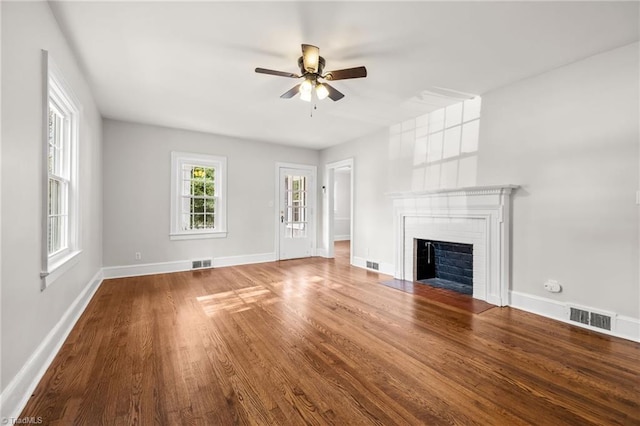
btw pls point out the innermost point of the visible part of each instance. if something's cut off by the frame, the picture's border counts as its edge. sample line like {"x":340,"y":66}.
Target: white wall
{"x":29,"y":315}
{"x":137,"y":193}
{"x":372,"y":210}
{"x":342,"y":205}
{"x":570,"y":138}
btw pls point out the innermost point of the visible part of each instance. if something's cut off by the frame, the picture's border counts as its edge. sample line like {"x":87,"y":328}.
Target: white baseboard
{"x":342,"y":237}
{"x":17,"y":393}
{"x":146,"y":269}
{"x":322,"y":252}
{"x":247,"y":259}
{"x":384,"y":268}
{"x":183,"y":265}
{"x":622,"y":326}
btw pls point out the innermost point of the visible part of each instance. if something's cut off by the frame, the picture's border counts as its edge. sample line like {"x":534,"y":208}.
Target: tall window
{"x":60,"y":216}
{"x":198,"y":199}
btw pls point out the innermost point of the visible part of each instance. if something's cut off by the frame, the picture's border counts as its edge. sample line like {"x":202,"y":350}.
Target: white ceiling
{"x":191,"y":65}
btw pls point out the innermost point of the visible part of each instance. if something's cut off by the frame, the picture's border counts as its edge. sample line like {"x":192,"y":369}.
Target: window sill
{"x":197,"y":235}
{"x":57,"y":269}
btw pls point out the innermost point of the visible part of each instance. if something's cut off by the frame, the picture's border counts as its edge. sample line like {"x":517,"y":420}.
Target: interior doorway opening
{"x":338,"y":221}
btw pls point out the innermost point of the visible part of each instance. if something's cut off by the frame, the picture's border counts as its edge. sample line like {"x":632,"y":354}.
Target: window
{"x":198,"y":203}
{"x":60,"y":217}
{"x":296,"y":206}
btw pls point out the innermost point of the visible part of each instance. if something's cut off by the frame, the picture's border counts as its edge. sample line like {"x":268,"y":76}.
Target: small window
{"x":60,"y":215}
{"x":198,"y":203}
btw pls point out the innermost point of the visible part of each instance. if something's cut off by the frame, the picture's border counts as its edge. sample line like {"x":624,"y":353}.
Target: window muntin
{"x":198,"y":202}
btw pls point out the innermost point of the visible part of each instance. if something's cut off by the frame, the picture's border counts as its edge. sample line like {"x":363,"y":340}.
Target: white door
{"x":296,"y":218}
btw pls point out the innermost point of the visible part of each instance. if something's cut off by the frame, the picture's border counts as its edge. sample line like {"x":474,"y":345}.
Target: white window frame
{"x":57,"y":92}
{"x":180,"y":159}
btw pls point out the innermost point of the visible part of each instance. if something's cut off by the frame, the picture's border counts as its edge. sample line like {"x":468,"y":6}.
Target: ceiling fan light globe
{"x":321,"y":91}
{"x":305,"y":96}
{"x":306,"y":87}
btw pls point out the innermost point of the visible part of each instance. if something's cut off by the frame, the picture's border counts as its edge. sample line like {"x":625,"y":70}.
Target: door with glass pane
{"x":296,"y":213}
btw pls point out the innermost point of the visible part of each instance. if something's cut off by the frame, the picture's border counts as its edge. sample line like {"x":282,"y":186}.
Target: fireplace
{"x":443,"y":264}
{"x":479,"y":217}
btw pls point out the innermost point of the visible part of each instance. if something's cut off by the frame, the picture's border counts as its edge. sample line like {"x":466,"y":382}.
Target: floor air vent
{"x":373,"y":265}
{"x":593,"y":319}
{"x":600,"y":321}
{"x":199,"y":264}
{"x":578,"y":315}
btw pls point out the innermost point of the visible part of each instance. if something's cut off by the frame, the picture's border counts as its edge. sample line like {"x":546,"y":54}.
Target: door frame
{"x":313,"y":196}
{"x":328,"y":233}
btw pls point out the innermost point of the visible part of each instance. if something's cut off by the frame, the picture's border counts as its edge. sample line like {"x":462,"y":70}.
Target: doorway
{"x":296,"y":196}
{"x":338,"y":211}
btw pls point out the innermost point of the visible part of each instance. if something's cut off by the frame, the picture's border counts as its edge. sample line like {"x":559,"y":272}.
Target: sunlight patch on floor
{"x":235,"y":301}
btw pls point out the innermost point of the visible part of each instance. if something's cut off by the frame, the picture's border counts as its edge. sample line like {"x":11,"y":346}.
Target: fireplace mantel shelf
{"x":471,"y":190}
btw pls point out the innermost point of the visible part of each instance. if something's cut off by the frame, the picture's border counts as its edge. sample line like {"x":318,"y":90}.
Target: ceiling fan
{"x":311,"y":69}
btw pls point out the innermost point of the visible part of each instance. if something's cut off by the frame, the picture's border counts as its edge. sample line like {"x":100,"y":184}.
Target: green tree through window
{"x":201,"y":214}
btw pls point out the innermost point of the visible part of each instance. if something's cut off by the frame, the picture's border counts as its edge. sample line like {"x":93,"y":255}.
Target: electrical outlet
{"x":553,"y":286}
{"x":138,"y":255}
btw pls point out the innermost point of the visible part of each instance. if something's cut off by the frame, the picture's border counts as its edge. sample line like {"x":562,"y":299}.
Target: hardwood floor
{"x":315,"y":341}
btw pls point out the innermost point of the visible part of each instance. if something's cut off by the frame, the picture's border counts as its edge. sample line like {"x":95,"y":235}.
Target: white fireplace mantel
{"x":477,"y":215}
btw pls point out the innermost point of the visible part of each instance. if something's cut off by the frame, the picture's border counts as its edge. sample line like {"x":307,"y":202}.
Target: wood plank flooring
{"x":315,"y":341}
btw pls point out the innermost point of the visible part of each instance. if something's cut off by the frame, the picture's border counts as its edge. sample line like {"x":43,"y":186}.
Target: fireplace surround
{"x":479,"y":216}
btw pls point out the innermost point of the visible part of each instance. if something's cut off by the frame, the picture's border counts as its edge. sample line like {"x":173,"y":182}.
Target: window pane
{"x":187,"y":171}
{"x":185,"y":222}
{"x":197,"y":221}
{"x":197,"y":187}
{"x":209,"y":220}
{"x":197,"y":205}
{"x":54,"y":199}
{"x":209,"y":189}
{"x":198,"y":173}
{"x":52,"y":158}
{"x":299,"y":214}
{"x":209,"y":206}
{"x":54,"y":234}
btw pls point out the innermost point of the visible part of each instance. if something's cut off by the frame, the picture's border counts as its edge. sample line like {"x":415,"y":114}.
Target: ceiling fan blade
{"x":357,"y":72}
{"x":278,"y":73}
{"x":334,"y":94}
{"x":310,"y":57}
{"x":291,"y":93}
